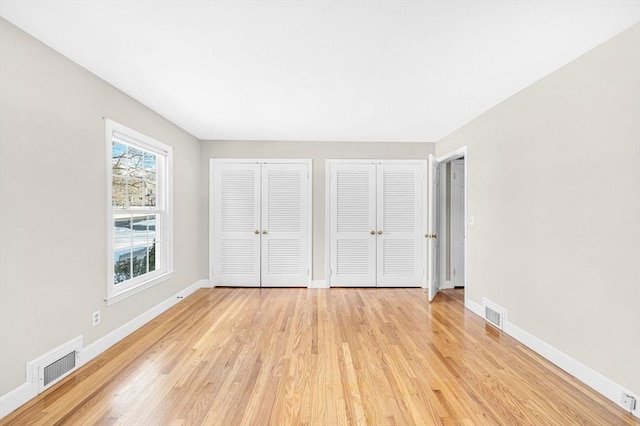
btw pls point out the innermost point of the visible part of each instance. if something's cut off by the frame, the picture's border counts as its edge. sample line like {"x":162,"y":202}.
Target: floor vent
{"x":49,"y":369}
{"x":494,"y":314}
{"x":57,"y":369}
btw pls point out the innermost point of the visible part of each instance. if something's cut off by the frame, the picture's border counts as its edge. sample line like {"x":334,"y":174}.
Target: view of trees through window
{"x":134,"y":201}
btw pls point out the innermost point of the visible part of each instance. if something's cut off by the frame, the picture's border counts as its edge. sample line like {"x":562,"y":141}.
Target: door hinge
{"x":307,"y":272}
{"x":454,"y":271}
{"x":330,"y":271}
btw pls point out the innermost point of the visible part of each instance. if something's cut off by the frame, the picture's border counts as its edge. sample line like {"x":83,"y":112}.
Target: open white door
{"x":433,"y":280}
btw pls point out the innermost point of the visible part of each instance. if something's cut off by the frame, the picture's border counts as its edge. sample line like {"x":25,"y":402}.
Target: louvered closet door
{"x":236,"y":218}
{"x":285,"y":212}
{"x":399,"y":218}
{"x":353,"y":219}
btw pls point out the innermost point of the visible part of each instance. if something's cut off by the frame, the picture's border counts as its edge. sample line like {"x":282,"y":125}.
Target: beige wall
{"x":318,"y":152}
{"x":53,"y":202}
{"x":554,"y":186}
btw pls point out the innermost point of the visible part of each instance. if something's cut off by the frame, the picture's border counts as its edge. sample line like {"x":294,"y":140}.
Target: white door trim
{"x":454,"y":155}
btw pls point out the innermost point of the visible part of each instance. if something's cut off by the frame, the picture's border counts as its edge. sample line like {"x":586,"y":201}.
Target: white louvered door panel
{"x":285,"y":245}
{"x":236,"y":218}
{"x":399,"y":217}
{"x":353,"y":218}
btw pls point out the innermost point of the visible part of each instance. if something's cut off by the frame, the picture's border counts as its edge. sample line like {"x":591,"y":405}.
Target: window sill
{"x":138,"y":288}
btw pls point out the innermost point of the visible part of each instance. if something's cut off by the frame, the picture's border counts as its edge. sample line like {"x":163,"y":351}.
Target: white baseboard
{"x":207,"y":284}
{"x":318,"y":284}
{"x":28,"y":390}
{"x":474,"y":307}
{"x":17,"y":397}
{"x":601,"y":384}
{"x":445,"y":285}
{"x":105,"y":342}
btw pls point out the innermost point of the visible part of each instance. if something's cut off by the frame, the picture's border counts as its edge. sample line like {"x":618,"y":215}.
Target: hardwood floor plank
{"x":233,"y":356}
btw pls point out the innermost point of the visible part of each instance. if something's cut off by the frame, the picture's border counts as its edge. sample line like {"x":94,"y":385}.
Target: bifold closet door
{"x":285,"y":225}
{"x":399,"y":224}
{"x":236,"y":223}
{"x":353,"y":225}
{"x":376,"y":224}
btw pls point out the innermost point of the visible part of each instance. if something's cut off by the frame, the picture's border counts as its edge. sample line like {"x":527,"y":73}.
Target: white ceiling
{"x":321,"y":70}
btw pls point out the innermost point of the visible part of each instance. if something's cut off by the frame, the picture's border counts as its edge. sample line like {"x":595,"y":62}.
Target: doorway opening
{"x":447,"y":236}
{"x":451,"y":224}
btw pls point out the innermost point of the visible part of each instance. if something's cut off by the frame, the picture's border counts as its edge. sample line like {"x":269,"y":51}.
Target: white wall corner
{"x":474,"y":307}
{"x":319,"y":284}
{"x":206,"y":283}
{"x":22,"y":394}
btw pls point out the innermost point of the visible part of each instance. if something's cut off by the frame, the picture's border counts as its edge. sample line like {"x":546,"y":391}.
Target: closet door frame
{"x":328,"y":206}
{"x":306,"y":161}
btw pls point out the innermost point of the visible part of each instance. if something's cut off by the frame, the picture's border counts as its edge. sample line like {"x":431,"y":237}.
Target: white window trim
{"x":147,"y":143}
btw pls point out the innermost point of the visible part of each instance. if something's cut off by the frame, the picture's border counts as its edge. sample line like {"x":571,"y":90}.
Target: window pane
{"x":151,"y":241}
{"x":118,"y":159}
{"x":121,"y":267}
{"x":139,"y":261}
{"x":152,"y":257}
{"x":152,"y":228}
{"x":139,"y":244}
{"x":119,"y":198}
{"x":122,"y":248}
{"x":150,"y":167}
{"x":136,"y":168}
{"x":150,"y":179}
{"x":137,"y":192}
{"x":150,"y":197}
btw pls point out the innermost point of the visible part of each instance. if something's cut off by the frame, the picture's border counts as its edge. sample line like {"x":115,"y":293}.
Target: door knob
{"x":434,"y":235}
{"x":264,"y":232}
{"x":256,"y":231}
{"x":427,"y":235}
{"x":379,"y":232}
{"x":373,"y":232}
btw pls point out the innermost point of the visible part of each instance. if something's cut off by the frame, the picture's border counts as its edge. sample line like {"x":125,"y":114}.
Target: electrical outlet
{"x":96,"y":318}
{"x":628,"y":402}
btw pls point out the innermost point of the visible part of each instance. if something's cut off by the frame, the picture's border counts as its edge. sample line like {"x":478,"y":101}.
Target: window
{"x":139,"y":212}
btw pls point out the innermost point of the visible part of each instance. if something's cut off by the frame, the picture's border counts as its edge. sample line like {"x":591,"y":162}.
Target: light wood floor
{"x":319,"y":357}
